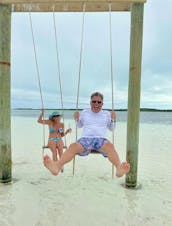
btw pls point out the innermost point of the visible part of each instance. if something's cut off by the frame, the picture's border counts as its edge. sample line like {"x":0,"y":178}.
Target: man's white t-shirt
{"x":95,"y":124}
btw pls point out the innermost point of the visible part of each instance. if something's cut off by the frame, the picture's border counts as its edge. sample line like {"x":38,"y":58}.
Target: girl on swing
{"x":56,"y":132}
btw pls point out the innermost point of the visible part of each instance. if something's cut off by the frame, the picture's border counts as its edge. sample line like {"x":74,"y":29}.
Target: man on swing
{"x":95,"y":123}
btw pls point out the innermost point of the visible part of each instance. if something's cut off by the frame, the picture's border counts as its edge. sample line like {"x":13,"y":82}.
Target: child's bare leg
{"x":67,"y":156}
{"x":121,"y":168}
{"x":52,"y":146}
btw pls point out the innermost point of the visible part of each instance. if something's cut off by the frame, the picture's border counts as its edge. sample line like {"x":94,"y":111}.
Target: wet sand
{"x":91,"y":197}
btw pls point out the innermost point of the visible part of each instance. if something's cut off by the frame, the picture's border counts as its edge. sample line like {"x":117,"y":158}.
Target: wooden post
{"x":5,"y":109}
{"x":134,"y":92}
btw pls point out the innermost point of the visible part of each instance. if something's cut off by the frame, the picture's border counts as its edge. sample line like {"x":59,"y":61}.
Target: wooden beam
{"x":70,"y":5}
{"x":134,"y":92}
{"x":5,"y":90}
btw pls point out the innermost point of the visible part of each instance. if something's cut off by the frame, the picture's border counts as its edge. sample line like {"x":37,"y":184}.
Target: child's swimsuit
{"x":56,"y":139}
{"x":52,"y":130}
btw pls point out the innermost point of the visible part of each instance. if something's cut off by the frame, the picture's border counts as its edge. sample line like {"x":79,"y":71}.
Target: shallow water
{"x":159,"y":117}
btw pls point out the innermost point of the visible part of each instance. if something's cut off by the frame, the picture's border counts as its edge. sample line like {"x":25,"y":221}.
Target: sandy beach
{"x":91,"y":197}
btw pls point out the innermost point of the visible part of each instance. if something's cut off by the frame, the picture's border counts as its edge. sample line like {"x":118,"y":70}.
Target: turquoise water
{"x":145,"y":116}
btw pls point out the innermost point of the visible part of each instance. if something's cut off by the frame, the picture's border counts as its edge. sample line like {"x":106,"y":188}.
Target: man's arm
{"x":112,"y":121}
{"x":77,"y":119}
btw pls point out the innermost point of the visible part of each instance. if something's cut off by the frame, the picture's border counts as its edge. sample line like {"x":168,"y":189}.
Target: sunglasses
{"x":96,"y":101}
{"x":56,"y":116}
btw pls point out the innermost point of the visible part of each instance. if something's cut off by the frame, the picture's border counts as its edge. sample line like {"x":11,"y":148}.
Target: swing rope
{"x":58,"y":66}
{"x":38,"y":77}
{"x":79,"y":75}
{"x":38,"y":73}
{"x":111,"y":72}
{"x":80,"y":61}
{"x":111,"y":55}
{"x":111,"y":64}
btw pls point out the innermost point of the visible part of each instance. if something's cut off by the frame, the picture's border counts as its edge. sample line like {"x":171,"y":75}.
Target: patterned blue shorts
{"x":92,"y":144}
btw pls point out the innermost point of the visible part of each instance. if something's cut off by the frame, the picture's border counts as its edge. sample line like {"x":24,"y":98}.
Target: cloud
{"x":95,"y":68}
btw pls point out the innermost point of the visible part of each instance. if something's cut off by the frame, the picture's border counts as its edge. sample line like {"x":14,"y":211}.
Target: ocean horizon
{"x":118,"y":109}
{"x":162,"y":117}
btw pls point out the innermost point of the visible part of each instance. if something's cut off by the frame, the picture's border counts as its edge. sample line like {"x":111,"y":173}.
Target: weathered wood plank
{"x":134,"y":92}
{"x":69,"y":6}
{"x":82,"y":1}
{"x":5,"y":90}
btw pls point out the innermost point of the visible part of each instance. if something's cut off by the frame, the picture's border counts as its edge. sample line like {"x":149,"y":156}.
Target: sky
{"x":95,"y":75}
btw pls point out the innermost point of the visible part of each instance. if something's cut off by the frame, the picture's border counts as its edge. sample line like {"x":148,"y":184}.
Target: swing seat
{"x":65,"y":147}
{"x":93,"y":151}
{"x":44,"y":147}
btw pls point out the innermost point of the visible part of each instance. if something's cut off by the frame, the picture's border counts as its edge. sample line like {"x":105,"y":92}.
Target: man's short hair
{"x":97,"y":94}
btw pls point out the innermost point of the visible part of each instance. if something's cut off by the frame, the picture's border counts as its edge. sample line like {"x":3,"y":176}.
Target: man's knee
{"x":108,"y":147}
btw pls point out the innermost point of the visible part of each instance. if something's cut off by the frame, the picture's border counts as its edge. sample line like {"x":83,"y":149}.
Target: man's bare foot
{"x":51,"y":165}
{"x":124,"y":168}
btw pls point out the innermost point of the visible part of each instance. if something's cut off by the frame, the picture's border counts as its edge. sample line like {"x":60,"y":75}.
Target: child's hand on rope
{"x":42,"y":111}
{"x":68,"y":131}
